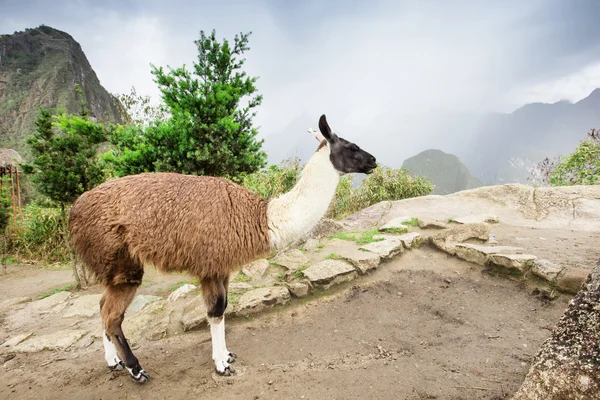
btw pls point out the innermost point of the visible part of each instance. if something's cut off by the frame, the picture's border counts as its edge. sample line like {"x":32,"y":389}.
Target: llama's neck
{"x":295,"y":213}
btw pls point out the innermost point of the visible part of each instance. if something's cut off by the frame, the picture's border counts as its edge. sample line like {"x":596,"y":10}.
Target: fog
{"x":397,"y":77}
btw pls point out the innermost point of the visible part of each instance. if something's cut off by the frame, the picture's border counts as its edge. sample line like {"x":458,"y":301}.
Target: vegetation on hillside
{"x":582,"y":167}
{"x":40,"y":67}
{"x":446,"y":171}
{"x":65,"y":163}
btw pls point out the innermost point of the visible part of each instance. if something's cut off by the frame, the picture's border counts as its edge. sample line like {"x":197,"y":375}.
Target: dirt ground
{"x":423,"y":326}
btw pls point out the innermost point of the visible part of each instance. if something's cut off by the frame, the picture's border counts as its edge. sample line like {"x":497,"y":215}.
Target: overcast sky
{"x":357,"y":61}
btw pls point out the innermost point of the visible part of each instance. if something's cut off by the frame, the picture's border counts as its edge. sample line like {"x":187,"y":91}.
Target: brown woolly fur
{"x":204,"y":225}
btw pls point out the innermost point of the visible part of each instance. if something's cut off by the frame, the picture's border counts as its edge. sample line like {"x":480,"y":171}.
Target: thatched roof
{"x":9,"y":157}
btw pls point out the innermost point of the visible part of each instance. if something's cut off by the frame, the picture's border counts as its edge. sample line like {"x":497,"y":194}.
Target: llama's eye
{"x":354,"y":148}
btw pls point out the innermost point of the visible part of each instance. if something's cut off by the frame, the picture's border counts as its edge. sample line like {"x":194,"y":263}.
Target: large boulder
{"x":568,"y":365}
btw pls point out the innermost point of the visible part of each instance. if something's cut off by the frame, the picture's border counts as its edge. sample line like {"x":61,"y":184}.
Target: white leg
{"x":110,"y":354}
{"x":221,"y":356}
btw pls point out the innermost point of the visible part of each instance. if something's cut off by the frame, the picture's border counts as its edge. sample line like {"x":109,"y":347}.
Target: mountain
{"x":41,"y":67}
{"x":446,"y":171}
{"x":507,"y":146}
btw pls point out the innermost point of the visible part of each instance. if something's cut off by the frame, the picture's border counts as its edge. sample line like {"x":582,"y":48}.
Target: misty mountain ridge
{"x":445,"y":170}
{"x":496,"y":147}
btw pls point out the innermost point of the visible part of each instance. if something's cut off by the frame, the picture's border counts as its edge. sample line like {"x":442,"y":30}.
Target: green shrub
{"x":383,"y":184}
{"x":582,"y":167}
{"x":274,"y":180}
{"x":39,"y":235}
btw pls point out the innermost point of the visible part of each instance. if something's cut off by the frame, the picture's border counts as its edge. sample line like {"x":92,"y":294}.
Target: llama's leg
{"x":215,"y":298}
{"x":113,"y":305}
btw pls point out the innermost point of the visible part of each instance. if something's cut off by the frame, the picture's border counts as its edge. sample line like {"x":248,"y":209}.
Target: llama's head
{"x":345,"y":156}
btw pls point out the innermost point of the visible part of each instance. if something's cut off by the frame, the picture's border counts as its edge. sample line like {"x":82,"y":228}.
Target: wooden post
{"x":18,"y":190}
{"x":14,"y":205}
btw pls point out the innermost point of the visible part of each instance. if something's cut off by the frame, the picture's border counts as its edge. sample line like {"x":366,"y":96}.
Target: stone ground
{"x":404,"y":317}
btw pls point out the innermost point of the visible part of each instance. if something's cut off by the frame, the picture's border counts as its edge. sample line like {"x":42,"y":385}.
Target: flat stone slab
{"x":479,"y":254}
{"x":386,"y":249}
{"x":258,"y":299}
{"x":239,"y":286}
{"x":84,"y":306}
{"x":150,"y":323}
{"x":330,"y":272}
{"x":182,"y":292}
{"x":430,"y":223}
{"x":363,"y":260}
{"x":546,"y":270}
{"x":56,"y":341}
{"x":411,"y":239}
{"x":395,"y":223}
{"x":50,"y":303}
{"x":475,"y":218}
{"x":6,"y":304}
{"x":256,"y":269}
{"x":520,"y":262}
{"x":15,"y":340}
{"x":292,"y":259}
{"x":298,"y":289}
{"x":572,"y":280}
{"x":194,"y":314}
{"x":447,"y":239}
{"x":140,"y":301}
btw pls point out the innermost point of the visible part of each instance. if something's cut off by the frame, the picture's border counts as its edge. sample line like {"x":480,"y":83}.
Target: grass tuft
{"x":359,"y":237}
{"x":57,"y":290}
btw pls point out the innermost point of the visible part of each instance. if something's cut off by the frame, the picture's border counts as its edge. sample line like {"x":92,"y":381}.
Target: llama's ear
{"x":316,"y":134}
{"x":326,"y":130}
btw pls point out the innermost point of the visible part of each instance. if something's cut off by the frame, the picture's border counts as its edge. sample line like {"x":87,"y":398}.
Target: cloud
{"x":394,"y":68}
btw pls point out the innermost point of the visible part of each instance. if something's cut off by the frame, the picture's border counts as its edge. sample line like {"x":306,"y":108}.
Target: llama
{"x":207,"y":226}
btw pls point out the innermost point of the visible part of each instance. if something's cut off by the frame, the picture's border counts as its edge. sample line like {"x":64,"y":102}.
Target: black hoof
{"x":228,"y":371}
{"x":138,"y":374}
{"x":232,"y":357}
{"x":117,"y":367}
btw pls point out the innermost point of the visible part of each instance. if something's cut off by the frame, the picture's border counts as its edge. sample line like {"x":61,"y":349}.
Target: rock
{"x":395,"y":223}
{"x":84,"y":306}
{"x":479,"y":254}
{"x":256,"y":269}
{"x":194,"y":314}
{"x":140,"y":301}
{"x":410,"y":240}
{"x":311,"y":244}
{"x":258,"y":299}
{"x":181,"y":292}
{"x":363,"y":260}
{"x":324,"y":228}
{"x":291,"y":259}
{"x":428,"y":223}
{"x":546,"y":269}
{"x":568,"y":364}
{"x":477,"y":218}
{"x":492,"y":240}
{"x":520,"y":262}
{"x":330,"y":272}
{"x":50,"y":303}
{"x":572,"y":280}
{"x":55,"y":341}
{"x":448,"y":239}
{"x":6,"y":304}
{"x":386,"y":249}
{"x":15,"y":340}
{"x":150,"y":323}
{"x":298,"y":289}
{"x":239,"y":286}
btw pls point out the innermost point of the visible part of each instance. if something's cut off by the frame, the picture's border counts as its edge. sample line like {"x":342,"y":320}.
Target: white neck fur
{"x":295,"y":213}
